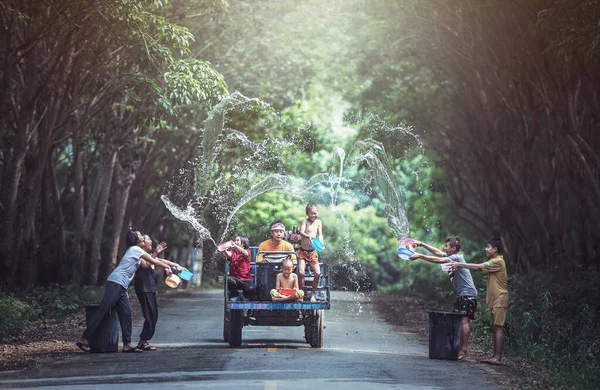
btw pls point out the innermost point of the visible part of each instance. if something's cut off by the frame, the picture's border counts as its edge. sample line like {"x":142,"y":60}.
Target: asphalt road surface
{"x":360,"y":351}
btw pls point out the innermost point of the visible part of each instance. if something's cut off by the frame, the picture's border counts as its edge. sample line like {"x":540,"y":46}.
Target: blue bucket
{"x":317,"y":245}
{"x":185,"y":274}
{"x":405,"y":253}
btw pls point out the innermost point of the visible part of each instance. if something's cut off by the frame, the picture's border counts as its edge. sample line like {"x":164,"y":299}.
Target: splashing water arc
{"x":215,"y":193}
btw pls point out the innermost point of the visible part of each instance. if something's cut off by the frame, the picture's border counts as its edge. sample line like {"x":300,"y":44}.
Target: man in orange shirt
{"x":276,"y":243}
{"x":496,"y":297}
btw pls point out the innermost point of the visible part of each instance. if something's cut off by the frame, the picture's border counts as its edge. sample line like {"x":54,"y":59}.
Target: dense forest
{"x":195,"y":120}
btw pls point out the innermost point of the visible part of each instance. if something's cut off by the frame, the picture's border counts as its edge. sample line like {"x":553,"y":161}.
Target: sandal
{"x":130,"y":350}
{"x":146,"y":347}
{"x":83,"y":347}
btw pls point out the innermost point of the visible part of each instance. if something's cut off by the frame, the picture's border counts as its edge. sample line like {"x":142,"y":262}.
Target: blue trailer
{"x":259,"y":310}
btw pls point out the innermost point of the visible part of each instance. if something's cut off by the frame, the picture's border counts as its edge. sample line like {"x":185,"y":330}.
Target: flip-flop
{"x":492,"y":362}
{"x":83,"y":347}
{"x":132,"y":350}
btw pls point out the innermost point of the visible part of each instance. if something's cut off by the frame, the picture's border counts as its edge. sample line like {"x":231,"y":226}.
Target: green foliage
{"x":15,"y":315}
{"x":254,"y":219}
{"x":55,"y":300}
{"x":189,"y":81}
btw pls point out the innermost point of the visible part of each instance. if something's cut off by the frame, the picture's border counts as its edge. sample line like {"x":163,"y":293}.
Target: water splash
{"x":372,"y":153}
{"x":297,"y":187}
{"x":231,"y":170}
{"x":188,"y":215}
{"x":335,"y":185}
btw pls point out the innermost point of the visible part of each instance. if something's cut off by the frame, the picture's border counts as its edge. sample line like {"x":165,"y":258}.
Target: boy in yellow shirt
{"x":496,"y":297}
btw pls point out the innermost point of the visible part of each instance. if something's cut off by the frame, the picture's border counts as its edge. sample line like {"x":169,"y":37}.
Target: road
{"x":361,"y":351}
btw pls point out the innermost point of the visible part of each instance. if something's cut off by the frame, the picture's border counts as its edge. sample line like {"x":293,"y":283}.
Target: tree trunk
{"x":120,"y":195}
{"x":78,"y":259}
{"x":105,"y":174}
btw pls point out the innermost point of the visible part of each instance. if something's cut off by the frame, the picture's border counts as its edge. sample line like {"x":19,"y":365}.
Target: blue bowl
{"x":317,"y":244}
{"x":185,"y":274}
{"x":405,"y":253}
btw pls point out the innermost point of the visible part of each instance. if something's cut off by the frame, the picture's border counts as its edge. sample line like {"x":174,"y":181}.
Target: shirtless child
{"x":286,"y":286}
{"x":311,"y":227}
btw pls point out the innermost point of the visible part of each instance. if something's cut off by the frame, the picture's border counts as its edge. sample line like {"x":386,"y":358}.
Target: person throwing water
{"x":464,"y":288}
{"x":311,"y":228}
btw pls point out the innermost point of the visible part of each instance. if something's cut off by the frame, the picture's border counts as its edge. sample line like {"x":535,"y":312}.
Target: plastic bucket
{"x":222,"y":247}
{"x":173,"y":281}
{"x":288,"y":291}
{"x":185,"y":274}
{"x":317,"y":244}
{"x":408,"y":243}
{"x":405,"y":253}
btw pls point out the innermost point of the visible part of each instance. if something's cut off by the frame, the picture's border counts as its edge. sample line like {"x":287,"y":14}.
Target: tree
{"x":70,"y":69}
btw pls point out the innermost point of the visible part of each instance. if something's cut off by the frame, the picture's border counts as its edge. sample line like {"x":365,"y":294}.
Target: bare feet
{"x":492,"y":361}
{"x":462,"y":356}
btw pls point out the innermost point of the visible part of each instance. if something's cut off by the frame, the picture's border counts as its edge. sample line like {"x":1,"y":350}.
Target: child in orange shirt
{"x":276,"y":243}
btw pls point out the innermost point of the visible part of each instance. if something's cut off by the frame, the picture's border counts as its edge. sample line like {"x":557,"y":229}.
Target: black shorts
{"x":466,"y":305}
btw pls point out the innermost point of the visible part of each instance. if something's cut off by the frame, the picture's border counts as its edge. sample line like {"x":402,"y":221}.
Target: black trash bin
{"x":444,"y":335}
{"x":106,"y":337}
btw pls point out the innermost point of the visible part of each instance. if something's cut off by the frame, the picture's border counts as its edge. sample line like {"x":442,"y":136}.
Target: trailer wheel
{"x":316,"y":329}
{"x":235,"y":328}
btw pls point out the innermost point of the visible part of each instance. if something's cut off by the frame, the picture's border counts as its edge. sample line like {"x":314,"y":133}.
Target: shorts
{"x":466,"y":304}
{"x":277,"y":294}
{"x":498,"y":316}
{"x":310,"y":256}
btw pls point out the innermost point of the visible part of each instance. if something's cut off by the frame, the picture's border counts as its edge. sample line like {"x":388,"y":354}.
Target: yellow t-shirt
{"x":497,"y":287}
{"x":283,"y":246}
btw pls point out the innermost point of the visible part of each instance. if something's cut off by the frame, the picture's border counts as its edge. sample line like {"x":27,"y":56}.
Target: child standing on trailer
{"x":311,"y":228}
{"x":286,"y":285}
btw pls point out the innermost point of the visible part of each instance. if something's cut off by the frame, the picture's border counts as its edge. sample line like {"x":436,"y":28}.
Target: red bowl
{"x":287,"y":291}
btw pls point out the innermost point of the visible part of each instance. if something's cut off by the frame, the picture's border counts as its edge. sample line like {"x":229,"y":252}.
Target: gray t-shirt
{"x":461,"y":278}
{"x":130,"y":262}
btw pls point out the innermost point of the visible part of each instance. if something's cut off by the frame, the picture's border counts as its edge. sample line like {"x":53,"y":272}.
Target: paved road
{"x":361,"y":351}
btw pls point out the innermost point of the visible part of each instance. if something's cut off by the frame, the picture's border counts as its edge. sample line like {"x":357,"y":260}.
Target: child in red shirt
{"x":239,"y":269}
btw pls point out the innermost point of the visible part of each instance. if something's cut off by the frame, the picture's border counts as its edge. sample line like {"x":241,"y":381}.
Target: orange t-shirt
{"x":283,"y":246}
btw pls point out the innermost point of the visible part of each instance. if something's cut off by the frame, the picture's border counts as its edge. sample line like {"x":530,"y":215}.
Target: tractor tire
{"x":226,"y":324}
{"x":316,"y":329}
{"x":235,"y":328}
